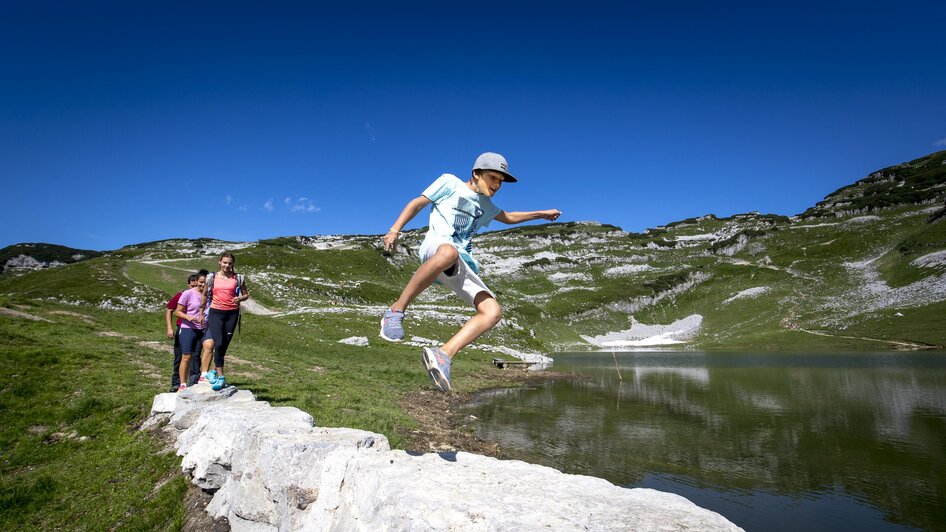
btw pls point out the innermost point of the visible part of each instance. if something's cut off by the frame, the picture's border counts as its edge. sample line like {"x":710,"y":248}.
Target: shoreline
{"x":441,"y":428}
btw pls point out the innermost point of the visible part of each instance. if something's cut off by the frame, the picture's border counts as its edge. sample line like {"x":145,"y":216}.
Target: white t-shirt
{"x":456,"y":214}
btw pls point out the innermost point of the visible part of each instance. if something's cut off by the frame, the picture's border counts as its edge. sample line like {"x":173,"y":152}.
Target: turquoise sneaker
{"x":438,"y":367}
{"x":219,"y":383}
{"x":212,"y":376}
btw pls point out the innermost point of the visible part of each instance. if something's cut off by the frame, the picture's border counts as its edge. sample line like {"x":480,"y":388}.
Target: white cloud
{"x":242,"y":208}
{"x":228,"y":199}
{"x":300,"y":204}
{"x":940,"y":142}
{"x":268,"y":205}
{"x":371,"y":131}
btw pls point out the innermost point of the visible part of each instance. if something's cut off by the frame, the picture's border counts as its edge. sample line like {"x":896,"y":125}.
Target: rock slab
{"x":271,"y":469}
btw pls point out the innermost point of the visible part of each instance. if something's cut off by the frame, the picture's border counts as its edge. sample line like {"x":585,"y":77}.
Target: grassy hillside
{"x":83,"y":348}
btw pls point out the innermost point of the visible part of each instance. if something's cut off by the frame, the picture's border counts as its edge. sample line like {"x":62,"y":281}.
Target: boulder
{"x":271,"y":469}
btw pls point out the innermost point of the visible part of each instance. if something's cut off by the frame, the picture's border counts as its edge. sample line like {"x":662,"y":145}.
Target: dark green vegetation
{"x":42,"y":255}
{"x":909,"y":183}
{"x":829,"y":281}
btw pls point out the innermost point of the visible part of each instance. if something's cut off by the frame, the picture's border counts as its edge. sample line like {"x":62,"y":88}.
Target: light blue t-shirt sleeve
{"x":439,"y":189}
{"x":490,"y":211}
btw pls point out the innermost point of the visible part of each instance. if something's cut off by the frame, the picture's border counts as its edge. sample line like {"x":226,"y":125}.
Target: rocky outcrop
{"x":269,"y":468}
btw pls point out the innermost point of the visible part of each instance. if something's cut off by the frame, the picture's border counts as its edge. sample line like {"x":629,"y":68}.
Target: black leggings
{"x":222,"y":324}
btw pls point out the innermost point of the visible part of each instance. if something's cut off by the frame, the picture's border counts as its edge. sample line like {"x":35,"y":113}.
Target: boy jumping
{"x":459,"y":211}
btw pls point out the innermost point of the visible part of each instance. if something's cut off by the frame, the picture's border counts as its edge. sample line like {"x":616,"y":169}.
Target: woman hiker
{"x":224,"y":292}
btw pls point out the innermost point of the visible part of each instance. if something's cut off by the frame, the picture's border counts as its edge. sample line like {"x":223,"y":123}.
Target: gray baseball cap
{"x":494,"y":161}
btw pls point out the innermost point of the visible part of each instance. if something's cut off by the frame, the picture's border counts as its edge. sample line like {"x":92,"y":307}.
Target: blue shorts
{"x":190,"y":340}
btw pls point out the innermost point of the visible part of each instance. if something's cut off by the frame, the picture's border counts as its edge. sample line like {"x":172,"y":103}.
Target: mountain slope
{"x":863,"y":269}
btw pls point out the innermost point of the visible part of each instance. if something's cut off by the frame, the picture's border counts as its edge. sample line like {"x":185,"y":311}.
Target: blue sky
{"x":125,"y":122}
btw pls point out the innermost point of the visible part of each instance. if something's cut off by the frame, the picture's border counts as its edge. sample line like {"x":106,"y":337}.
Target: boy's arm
{"x":167,"y":319}
{"x":519,"y":217}
{"x":410,"y":211}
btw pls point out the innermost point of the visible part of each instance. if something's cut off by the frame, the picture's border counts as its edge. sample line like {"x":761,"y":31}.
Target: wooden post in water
{"x":616,"y":368}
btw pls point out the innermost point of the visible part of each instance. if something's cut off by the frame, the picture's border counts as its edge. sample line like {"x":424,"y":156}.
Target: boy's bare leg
{"x":488,"y":314}
{"x":445,"y":257}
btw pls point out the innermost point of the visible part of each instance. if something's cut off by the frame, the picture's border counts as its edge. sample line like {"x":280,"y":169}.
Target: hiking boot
{"x":219,"y":384}
{"x":438,"y":367}
{"x":174,"y":388}
{"x":391,"y":329}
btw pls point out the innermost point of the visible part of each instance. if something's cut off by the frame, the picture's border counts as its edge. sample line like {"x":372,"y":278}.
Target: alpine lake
{"x":787,"y":441}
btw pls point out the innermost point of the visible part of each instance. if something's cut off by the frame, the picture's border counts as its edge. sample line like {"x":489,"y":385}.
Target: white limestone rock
{"x":359,"y":341}
{"x":164,"y":403}
{"x":397,"y":491}
{"x":271,"y":469}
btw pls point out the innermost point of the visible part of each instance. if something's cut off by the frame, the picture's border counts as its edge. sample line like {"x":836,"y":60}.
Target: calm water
{"x":771,"y":441}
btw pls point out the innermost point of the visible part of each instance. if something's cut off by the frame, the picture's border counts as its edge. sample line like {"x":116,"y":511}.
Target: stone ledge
{"x":270,"y":469}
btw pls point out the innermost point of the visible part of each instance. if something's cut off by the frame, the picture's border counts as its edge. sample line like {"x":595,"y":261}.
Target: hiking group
{"x":458,"y":210}
{"x":207,"y":315}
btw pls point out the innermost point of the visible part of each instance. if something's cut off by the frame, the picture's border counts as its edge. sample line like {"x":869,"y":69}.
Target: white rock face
{"x":271,"y":469}
{"x":937,"y":258}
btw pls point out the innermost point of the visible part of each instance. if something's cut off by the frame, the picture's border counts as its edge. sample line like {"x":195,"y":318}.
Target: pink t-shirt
{"x":224,"y":292}
{"x":190,"y":300}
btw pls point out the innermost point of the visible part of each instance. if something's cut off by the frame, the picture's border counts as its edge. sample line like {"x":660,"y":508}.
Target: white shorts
{"x":464,"y":281}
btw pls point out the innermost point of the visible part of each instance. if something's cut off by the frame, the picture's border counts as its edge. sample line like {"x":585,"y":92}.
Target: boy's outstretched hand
{"x":390,"y":241}
{"x":551,"y":214}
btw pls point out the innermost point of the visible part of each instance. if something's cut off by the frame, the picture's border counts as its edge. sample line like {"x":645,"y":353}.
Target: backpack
{"x":210,"y":295}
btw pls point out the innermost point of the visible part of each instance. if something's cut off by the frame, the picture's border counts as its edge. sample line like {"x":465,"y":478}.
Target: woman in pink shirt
{"x":192,"y":327}
{"x":226,"y":291}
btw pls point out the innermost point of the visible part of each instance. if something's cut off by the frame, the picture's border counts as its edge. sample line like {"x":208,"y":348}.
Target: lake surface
{"x":771,"y":441}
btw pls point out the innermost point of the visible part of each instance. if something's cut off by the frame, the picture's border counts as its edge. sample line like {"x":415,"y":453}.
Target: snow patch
{"x":641,"y":335}
{"x":748,"y":292}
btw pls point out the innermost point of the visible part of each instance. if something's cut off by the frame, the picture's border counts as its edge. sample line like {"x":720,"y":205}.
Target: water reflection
{"x":868,"y":429}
